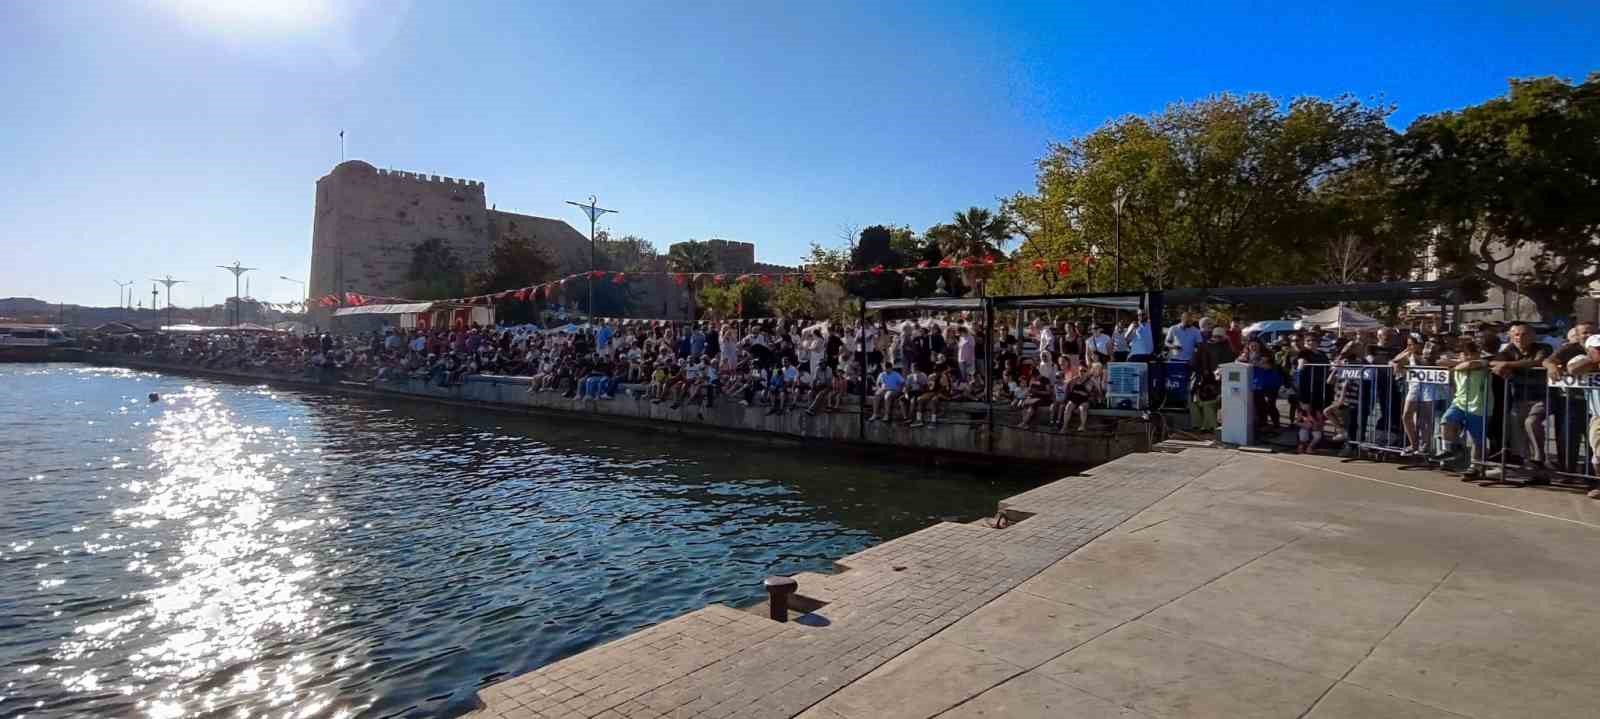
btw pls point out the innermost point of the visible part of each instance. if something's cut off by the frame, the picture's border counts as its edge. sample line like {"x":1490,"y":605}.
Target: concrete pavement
{"x":1284,"y":587}
{"x":1204,"y":583}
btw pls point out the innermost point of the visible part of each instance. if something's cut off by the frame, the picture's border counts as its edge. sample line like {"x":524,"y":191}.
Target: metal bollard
{"x":778,"y":591}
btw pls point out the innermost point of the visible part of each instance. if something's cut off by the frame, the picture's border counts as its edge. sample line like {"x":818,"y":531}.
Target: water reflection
{"x":236,"y":550}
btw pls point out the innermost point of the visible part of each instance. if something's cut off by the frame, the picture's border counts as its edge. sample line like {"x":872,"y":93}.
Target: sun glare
{"x":257,"y":16}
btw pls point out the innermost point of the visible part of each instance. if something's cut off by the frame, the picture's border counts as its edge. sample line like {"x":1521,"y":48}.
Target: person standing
{"x":1524,"y":391}
{"x":967,"y":354}
{"x":1581,"y":366}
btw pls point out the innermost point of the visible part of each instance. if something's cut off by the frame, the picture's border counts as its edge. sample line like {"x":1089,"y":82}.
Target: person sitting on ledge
{"x":890,"y":385}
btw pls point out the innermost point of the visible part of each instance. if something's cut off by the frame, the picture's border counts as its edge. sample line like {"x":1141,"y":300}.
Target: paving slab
{"x":933,"y":677}
{"x":1304,"y":605}
{"x":1126,"y":575}
{"x":1034,"y":695}
{"x":1348,"y":701}
{"x":1166,"y":675}
{"x":1027,"y":630}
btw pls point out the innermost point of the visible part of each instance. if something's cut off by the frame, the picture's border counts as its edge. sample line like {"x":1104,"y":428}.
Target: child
{"x":1310,"y":422}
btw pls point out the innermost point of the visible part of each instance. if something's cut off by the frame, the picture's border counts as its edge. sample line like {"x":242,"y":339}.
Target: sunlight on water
{"x":236,"y":575}
{"x":240,"y":551}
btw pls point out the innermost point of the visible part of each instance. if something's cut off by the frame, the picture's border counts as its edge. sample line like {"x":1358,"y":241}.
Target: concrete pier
{"x":1205,"y":583}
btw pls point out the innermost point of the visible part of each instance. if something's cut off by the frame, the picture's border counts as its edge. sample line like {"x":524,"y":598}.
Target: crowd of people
{"x":1489,"y":401}
{"x":1493,"y":396}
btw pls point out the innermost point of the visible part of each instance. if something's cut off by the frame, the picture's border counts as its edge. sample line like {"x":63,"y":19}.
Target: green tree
{"x":1218,"y":192}
{"x":825,"y":263}
{"x":691,"y":257}
{"x":628,"y":254}
{"x":435,"y":271}
{"x":973,"y":235}
{"x":514,"y":262}
{"x":740,"y":299}
{"x":874,"y":249}
{"x":1518,"y":175}
{"x":794,"y":300}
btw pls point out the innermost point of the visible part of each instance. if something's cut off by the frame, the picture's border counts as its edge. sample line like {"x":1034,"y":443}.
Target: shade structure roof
{"x":398,"y":309}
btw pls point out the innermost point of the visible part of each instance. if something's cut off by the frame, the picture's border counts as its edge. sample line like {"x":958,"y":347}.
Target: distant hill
{"x":30,"y":309}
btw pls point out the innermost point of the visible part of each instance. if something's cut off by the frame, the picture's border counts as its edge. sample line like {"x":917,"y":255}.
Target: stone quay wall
{"x":959,"y":433}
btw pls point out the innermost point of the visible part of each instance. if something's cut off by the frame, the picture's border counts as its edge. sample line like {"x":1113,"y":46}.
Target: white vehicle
{"x":1268,"y":331}
{"x":32,"y":336}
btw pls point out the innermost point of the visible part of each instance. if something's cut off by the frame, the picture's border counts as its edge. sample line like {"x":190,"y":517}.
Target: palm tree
{"x":690,"y":258}
{"x":976,"y":233}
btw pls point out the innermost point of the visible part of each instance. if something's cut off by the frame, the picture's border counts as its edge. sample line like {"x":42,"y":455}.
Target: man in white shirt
{"x":1183,"y":338}
{"x":1141,"y":340}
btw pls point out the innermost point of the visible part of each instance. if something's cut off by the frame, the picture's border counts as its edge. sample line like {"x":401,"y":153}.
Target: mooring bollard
{"x":778,"y":591}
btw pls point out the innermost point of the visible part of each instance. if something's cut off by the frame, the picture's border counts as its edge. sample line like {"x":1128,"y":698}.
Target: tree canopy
{"x":513,"y":262}
{"x":1515,"y":177}
{"x":435,"y":272}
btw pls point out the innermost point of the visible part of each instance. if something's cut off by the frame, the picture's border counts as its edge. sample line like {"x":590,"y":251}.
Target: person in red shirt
{"x":1235,"y":336}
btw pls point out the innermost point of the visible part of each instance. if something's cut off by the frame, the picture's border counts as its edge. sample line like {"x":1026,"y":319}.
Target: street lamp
{"x":169,"y":282}
{"x":237,"y":271}
{"x":1119,"y":199}
{"x":305,"y":299}
{"x":123,"y":295}
{"x":594,"y":211}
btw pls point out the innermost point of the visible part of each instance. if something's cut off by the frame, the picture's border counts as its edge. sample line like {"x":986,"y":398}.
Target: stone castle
{"x":368,"y":220}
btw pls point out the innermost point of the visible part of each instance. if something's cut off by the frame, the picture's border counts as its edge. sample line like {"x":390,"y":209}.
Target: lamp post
{"x":305,"y":299}
{"x":169,"y":282}
{"x":594,"y":211}
{"x":122,"y":296}
{"x":1119,"y":199}
{"x":238,"y":271}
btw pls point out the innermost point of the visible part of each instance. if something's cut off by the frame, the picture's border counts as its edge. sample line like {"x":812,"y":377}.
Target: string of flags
{"x":1062,"y":267}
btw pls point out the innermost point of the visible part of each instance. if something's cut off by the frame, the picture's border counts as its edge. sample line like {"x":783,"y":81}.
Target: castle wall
{"x":368,"y":220}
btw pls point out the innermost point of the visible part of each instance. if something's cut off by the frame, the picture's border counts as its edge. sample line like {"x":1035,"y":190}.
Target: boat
{"x":35,"y":343}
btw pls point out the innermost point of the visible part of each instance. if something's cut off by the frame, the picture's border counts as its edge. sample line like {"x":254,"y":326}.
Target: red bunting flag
{"x":1088,"y":259}
{"x":521,"y":295}
{"x":923,"y":265}
{"x":877,"y":269}
{"x":810,"y":279}
{"x":966,"y":262}
{"x":619,"y":279}
{"x":989,"y":260}
{"x":680,"y":278}
{"x":946,"y":262}
{"x":719,"y":279}
{"x":597,"y":274}
{"x":1064,"y":268}
{"x":1038,"y":265}
{"x":766,"y":280}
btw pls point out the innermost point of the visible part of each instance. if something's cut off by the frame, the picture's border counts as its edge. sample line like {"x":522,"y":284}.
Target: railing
{"x":1477,"y":421}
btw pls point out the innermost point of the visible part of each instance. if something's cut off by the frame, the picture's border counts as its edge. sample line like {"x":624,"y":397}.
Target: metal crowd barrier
{"x":1526,"y":427}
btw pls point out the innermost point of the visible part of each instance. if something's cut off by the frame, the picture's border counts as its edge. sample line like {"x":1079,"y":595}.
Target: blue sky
{"x":170,"y":136}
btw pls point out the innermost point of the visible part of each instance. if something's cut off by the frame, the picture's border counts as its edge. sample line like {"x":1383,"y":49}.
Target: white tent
{"x":1340,"y":318}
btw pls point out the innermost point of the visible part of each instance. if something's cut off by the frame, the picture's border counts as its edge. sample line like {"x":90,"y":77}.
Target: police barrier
{"x":1464,"y":417}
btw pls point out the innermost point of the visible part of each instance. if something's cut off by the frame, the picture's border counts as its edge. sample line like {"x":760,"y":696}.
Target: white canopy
{"x":1338,"y":317}
{"x":408,"y":308}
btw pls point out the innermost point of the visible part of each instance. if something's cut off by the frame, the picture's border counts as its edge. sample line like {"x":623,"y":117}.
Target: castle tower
{"x":368,"y":220}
